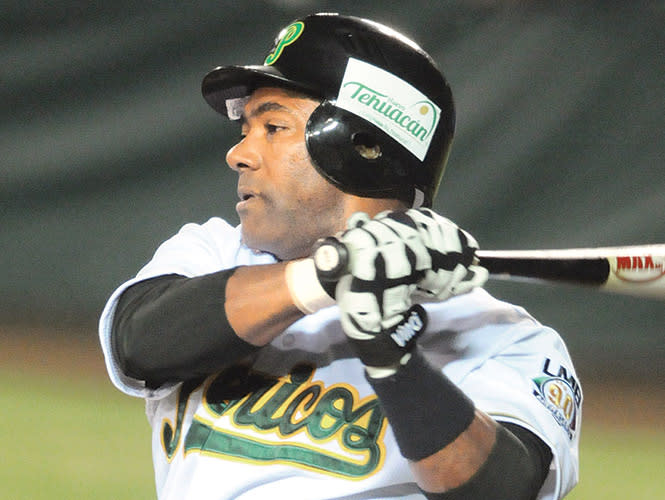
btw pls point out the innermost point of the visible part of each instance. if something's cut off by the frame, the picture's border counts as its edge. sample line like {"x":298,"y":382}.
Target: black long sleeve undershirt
{"x":173,"y":328}
{"x":539,"y":453}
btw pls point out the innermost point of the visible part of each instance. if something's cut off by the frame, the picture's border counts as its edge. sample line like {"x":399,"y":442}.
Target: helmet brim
{"x":233,"y":82}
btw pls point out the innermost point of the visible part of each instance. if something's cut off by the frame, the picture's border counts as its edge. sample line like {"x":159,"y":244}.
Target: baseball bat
{"x":629,"y":270}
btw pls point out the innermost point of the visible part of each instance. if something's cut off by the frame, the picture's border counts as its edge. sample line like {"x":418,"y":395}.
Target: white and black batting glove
{"x":454,"y":267}
{"x":386,"y":260}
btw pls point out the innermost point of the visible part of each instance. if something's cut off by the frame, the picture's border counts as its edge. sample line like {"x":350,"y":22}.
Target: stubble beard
{"x":299,"y":233}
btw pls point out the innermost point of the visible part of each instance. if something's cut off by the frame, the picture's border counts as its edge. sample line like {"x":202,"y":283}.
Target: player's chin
{"x":253,"y":224}
{"x":258,"y":235}
{"x":274,"y":239}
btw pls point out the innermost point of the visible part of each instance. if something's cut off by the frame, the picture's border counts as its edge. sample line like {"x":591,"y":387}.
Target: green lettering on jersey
{"x":264,"y":414}
{"x":171,"y":436}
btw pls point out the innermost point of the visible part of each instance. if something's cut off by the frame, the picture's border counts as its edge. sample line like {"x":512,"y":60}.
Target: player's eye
{"x":271,"y":128}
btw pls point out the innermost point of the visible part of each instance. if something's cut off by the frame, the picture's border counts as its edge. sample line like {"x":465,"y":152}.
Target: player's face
{"x":285,"y":205}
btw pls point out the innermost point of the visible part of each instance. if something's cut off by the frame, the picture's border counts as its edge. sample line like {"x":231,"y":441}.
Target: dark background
{"x":107,"y":148}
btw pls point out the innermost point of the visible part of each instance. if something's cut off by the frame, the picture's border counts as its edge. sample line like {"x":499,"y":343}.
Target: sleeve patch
{"x":559,"y":391}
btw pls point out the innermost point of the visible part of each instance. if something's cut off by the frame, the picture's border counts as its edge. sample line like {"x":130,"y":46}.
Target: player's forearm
{"x":456,"y":451}
{"x":455,"y":464}
{"x":258,"y":304}
{"x":514,"y":467}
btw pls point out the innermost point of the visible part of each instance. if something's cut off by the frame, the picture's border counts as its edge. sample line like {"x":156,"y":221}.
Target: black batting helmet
{"x":386,"y":121}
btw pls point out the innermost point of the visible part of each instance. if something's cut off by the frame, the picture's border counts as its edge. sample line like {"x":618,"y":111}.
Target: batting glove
{"x":386,"y":260}
{"x":454,"y":269}
{"x":390,"y":244}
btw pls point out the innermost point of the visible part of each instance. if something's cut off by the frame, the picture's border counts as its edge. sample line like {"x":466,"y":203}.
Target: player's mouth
{"x":245,"y":197}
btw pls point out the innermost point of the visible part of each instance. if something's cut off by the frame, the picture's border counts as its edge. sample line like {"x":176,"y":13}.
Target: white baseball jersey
{"x":299,"y":420}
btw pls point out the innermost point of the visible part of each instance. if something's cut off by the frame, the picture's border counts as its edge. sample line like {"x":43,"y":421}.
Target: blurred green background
{"x":107,"y":148}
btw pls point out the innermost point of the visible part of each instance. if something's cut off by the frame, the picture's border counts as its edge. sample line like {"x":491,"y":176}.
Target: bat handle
{"x":331,"y":259}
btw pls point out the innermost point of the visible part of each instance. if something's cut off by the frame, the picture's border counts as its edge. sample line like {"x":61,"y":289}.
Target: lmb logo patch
{"x":560,"y":392}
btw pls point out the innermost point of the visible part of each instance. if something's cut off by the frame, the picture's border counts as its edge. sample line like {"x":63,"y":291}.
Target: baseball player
{"x":381,"y":370}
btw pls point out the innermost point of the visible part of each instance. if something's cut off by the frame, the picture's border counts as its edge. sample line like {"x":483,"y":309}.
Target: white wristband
{"x":307,"y":293}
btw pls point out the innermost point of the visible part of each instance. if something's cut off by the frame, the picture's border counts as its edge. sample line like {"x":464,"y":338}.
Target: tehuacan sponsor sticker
{"x":390,"y":103}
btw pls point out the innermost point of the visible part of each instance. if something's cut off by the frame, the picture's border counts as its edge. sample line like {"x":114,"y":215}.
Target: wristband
{"x":425,"y":409}
{"x":306,"y":291}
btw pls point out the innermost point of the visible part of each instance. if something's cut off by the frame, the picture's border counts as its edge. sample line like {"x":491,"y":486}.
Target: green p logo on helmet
{"x":287,"y":37}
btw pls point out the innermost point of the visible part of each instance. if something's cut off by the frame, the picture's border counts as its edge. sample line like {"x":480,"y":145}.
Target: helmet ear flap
{"x":358,"y":157}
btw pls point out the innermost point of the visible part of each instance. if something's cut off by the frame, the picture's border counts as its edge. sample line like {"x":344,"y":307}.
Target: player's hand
{"x":386,"y":260}
{"x":454,"y":269}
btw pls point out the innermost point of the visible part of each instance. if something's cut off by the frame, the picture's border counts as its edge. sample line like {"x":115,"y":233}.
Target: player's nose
{"x":243,"y":156}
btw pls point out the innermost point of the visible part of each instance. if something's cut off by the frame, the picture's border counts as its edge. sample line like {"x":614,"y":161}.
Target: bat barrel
{"x":588,"y":271}
{"x":631,"y":270}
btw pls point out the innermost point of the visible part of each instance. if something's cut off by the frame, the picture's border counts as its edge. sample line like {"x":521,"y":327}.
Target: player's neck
{"x":371,"y":206}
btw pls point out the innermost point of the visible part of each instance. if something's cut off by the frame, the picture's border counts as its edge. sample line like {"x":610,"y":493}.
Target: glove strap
{"x":306,"y":291}
{"x":389,"y":347}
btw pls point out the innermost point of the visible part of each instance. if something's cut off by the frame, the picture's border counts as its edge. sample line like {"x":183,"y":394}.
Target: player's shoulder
{"x":478,"y":305}
{"x":213,"y":238}
{"x":224,"y":239}
{"x":213,"y":228}
{"x":202,"y":248}
{"x":486,"y":323}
